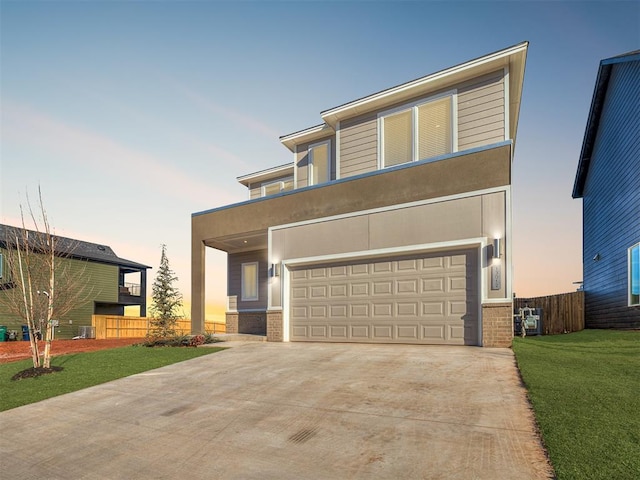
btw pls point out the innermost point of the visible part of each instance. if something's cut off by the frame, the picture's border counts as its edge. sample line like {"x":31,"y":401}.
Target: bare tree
{"x":42,"y":285}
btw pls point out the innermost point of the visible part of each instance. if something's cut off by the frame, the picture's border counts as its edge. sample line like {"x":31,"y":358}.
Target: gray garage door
{"x":427,"y":299}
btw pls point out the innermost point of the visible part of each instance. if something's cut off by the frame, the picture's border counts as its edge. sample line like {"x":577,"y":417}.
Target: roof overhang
{"x":262,"y":175}
{"x":512,"y":58}
{"x":593,"y":119}
{"x":307,"y":135}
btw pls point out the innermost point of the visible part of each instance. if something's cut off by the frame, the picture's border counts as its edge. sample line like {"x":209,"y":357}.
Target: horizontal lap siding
{"x":481,"y":112}
{"x":612,"y":203}
{"x":255,"y":190}
{"x":358,"y":146}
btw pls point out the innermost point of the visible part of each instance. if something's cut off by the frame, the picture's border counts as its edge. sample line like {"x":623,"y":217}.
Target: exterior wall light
{"x":275,"y":269}
{"x":496,"y":247}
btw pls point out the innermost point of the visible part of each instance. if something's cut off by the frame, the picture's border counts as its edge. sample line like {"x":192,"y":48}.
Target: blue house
{"x":608,"y":181}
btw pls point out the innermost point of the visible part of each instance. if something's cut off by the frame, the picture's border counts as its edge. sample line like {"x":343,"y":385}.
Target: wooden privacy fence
{"x":561,"y":313}
{"x":114,"y":326}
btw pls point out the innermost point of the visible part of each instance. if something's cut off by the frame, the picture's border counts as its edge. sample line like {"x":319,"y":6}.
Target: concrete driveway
{"x":289,"y":411}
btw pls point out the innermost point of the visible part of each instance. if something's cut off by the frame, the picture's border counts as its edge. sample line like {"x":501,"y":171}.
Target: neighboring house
{"x":608,"y":181}
{"x":106,"y":276}
{"x":392,"y":223}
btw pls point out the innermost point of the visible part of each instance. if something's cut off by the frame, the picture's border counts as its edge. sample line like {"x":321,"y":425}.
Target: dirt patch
{"x":14,"y":351}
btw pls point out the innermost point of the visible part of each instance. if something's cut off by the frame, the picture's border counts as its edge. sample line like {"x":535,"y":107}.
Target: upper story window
{"x":277,"y":186}
{"x":320,"y":162}
{"x":634,"y":275}
{"x":417,"y":131}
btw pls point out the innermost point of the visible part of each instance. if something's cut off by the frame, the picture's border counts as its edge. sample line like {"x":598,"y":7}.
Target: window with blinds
{"x":398,"y":138}
{"x":271,"y":188}
{"x":423,"y":130}
{"x":319,"y":163}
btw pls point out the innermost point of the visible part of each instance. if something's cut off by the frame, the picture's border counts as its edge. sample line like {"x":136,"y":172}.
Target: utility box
{"x":86,"y":331}
{"x":529,"y":318}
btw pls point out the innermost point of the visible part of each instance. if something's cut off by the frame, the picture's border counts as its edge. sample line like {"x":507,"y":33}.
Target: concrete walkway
{"x":289,"y":411}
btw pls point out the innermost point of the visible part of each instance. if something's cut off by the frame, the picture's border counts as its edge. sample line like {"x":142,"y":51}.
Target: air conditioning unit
{"x":86,"y":331}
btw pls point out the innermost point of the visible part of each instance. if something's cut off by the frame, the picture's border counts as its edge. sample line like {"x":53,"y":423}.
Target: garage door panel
{"x":338,"y":271}
{"x":318,"y":291}
{"x":433,"y":333}
{"x":407,"y":332}
{"x":339,"y":311}
{"x":359,"y":289}
{"x":338,"y":291}
{"x":361,"y":310}
{"x":319,"y":311}
{"x":299,"y":312}
{"x":407,"y":309}
{"x":407,"y":287}
{"x":382,"y":267}
{"x":383,"y":288}
{"x":319,"y":331}
{"x":382,"y":332}
{"x":433,"y":264}
{"x":298,"y":274}
{"x":338,"y":332}
{"x":300,"y":331}
{"x":430,"y":285}
{"x":382,"y":310}
{"x":318,"y":273}
{"x":429,"y":298}
{"x":359,"y":269}
{"x":298,"y":292}
{"x":360,"y":332}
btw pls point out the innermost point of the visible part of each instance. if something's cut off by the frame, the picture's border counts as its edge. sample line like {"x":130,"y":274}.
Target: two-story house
{"x":391,"y":223}
{"x":110,"y":283}
{"x":608,"y":182}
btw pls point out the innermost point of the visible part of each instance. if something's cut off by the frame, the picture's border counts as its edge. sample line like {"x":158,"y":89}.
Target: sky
{"x":131,"y":116}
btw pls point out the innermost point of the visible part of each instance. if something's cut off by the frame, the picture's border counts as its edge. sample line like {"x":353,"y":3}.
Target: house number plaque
{"x":496,"y":277}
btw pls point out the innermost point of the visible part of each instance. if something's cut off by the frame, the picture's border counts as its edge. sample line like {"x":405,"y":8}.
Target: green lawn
{"x":585,"y":390}
{"x":82,"y":370}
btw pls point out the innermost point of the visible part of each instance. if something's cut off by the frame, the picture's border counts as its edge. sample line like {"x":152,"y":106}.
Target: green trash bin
{"x":3,"y":333}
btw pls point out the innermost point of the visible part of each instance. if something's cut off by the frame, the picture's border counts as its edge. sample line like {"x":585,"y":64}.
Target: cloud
{"x":241,"y":119}
{"x":27,"y":127}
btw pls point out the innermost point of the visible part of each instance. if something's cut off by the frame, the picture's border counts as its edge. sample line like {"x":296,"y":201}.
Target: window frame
{"x":311,"y":163}
{"x":264,"y":185}
{"x":243,"y":296}
{"x":630,"y":273}
{"x":1,"y":265}
{"x":413,"y":106}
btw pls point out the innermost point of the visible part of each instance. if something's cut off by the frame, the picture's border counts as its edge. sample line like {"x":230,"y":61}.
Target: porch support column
{"x":143,"y":292}
{"x":197,"y":285}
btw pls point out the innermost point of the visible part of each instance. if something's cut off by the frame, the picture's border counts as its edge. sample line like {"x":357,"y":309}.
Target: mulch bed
{"x":21,"y":350}
{"x":35,"y":372}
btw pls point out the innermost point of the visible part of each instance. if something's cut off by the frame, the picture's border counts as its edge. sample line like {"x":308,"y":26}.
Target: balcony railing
{"x":132,"y":289}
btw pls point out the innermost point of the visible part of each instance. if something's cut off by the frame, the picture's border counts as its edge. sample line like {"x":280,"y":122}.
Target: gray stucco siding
{"x":611,"y":203}
{"x":460,"y":219}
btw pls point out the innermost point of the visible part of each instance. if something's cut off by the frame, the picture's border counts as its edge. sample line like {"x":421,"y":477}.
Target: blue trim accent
{"x":629,"y":57}
{"x":362,"y":175}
